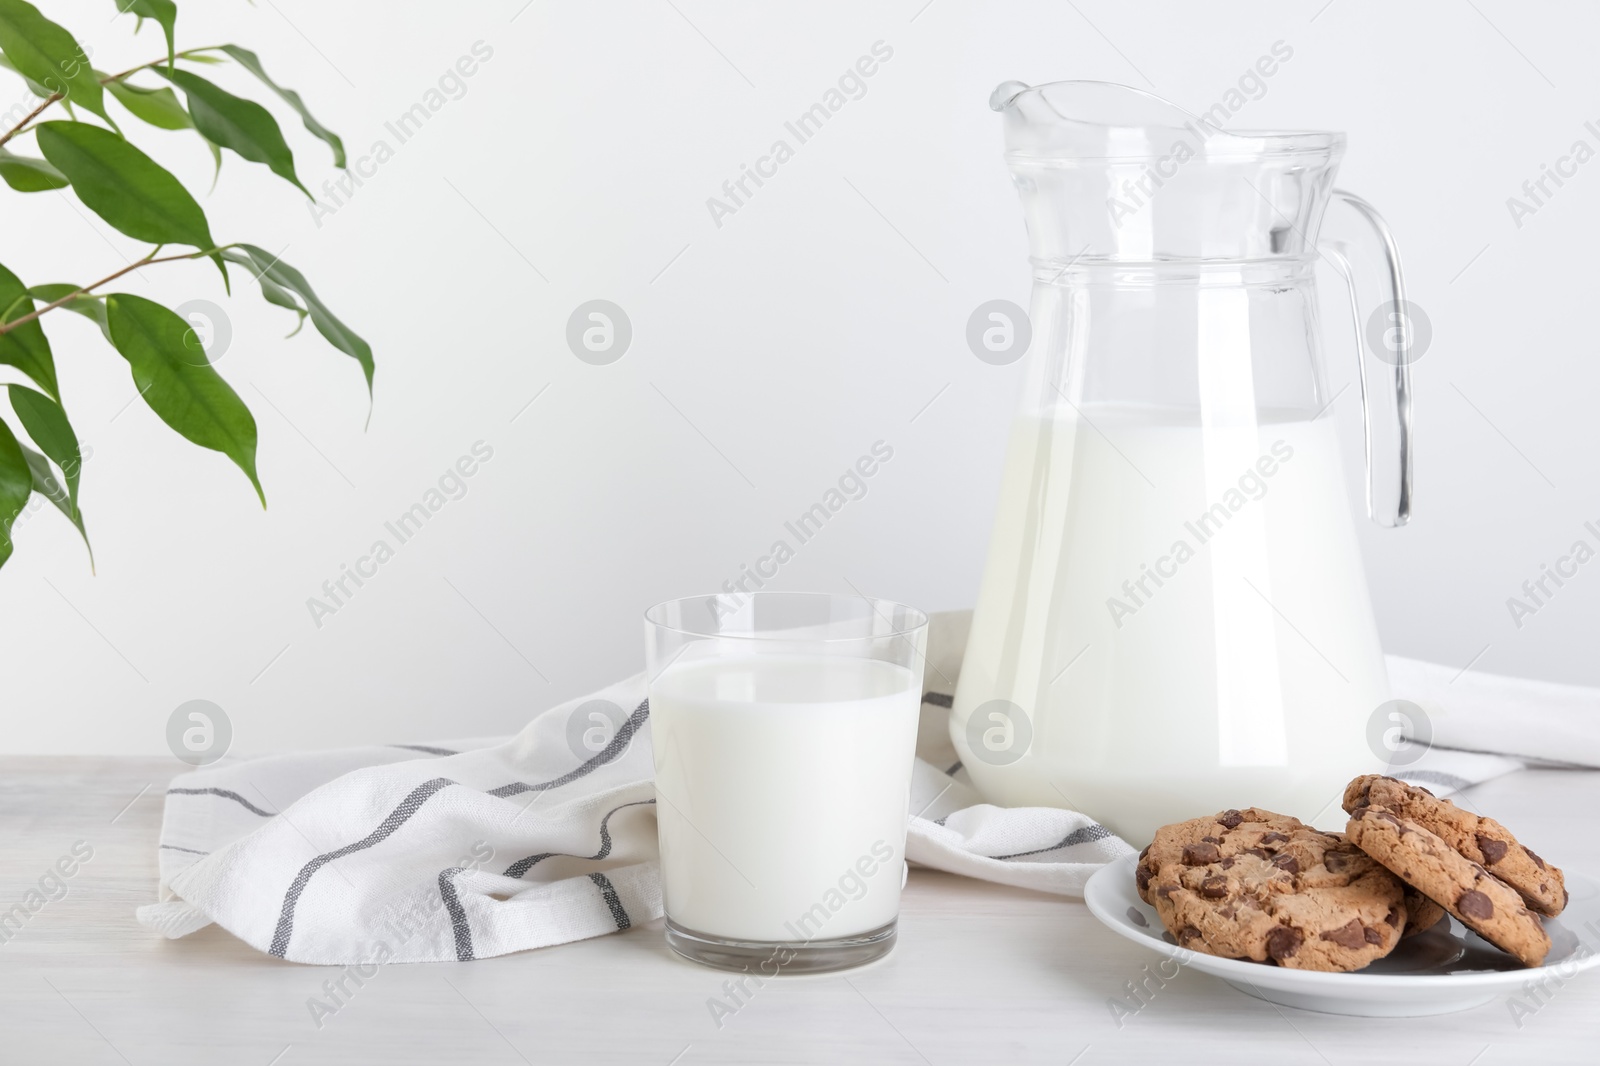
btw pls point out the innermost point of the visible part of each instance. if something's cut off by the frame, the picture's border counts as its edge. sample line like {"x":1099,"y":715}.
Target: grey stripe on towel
{"x":522,"y":866}
{"x":609,"y":892}
{"x":397,"y":817}
{"x":1078,"y":836}
{"x":618,"y":745}
{"x":225,"y":794}
{"x":458,"y":915}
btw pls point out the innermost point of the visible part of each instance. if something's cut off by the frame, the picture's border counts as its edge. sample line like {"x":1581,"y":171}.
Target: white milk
{"x":782,"y":789}
{"x":1243,"y":672}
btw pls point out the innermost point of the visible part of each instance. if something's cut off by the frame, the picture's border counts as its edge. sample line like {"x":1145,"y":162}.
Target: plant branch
{"x":22,"y":127}
{"x":7,"y":327}
{"x":19,"y":127}
{"x":157,"y":62}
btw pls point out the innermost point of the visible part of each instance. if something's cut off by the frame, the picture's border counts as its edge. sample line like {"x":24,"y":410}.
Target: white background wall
{"x":768,"y":354}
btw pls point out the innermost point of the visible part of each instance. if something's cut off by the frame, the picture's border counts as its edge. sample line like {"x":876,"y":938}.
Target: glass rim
{"x":917,"y":619}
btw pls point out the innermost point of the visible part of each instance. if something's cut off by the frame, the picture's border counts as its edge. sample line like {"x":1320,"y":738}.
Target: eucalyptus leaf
{"x":25,"y":347}
{"x":25,"y":174}
{"x":47,"y":485}
{"x":124,"y":186}
{"x":16,"y":485}
{"x":164,"y":12}
{"x":91,"y":307}
{"x":269,"y":268}
{"x":241,"y":125}
{"x":47,"y":424}
{"x":186,"y":393}
{"x":159,"y":107}
{"x":251,"y":62}
{"x":47,"y":54}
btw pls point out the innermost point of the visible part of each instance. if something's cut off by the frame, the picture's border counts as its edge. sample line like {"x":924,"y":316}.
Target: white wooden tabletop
{"x":982,"y":974}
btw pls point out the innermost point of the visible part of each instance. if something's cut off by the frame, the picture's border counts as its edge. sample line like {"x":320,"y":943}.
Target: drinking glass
{"x":784,"y":726}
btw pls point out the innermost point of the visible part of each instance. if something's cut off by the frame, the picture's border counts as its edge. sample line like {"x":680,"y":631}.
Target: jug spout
{"x":1108,"y":172}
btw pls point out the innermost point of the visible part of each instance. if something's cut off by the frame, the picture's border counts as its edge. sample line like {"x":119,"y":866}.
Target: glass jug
{"x":1173,"y":618}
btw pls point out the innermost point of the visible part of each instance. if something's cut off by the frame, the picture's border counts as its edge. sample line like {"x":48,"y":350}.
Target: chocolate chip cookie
{"x":1422,"y":913}
{"x":1252,"y":884}
{"x":1480,"y":840}
{"x":1429,"y":864}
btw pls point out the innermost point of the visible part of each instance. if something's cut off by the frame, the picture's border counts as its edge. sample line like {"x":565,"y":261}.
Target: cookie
{"x":1422,"y":913}
{"x":1481,"y":901}
{"x":1481,"y":840}
{"x":1256,"y":885}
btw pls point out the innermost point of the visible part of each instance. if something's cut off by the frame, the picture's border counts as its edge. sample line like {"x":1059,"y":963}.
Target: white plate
{"x":1432,"y":973}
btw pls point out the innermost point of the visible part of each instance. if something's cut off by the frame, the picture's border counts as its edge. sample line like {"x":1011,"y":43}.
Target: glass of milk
{"x":784,"y":727}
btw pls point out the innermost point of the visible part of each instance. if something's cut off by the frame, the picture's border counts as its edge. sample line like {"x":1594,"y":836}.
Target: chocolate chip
{"x":1360,"y":812}
{"x":1141,"y":876}
{"x":1228,"y":911}
{"x":1214,"y":887}
{"x":1336,"y":861}
{"x":1200,"y":854}
{"x":1474,"y":904}
{"x":1146,"y":852}
{"x":1230,"y":818}
{"x":1393,"y":917}
{"x":1273,"y":838}
{"x":1188,"y":933}
{"x":1371,"y":935}
{"x":1388,"y":816}
{"x":1534,"y":857}
{"x":1420,"y":788}
{"x":1212,"y":840}
{"x":1227,"y":864}
{"x":1283,"y":942}
{"x":1287,"y":863}
{"x":1493,"y":850}
{"x":1257,"y":852}
{"x":1349,"y":935}
{"x":1163,"y":891}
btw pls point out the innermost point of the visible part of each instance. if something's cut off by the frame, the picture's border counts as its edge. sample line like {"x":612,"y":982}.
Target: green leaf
{"x":216,"y":159}
{"x":234,"y":122}
{"x":47,"y":424}
{"x":249,"y":61}
{"x":25,"y":347}
{"x":159,"y":107}
{"x":164,"y":12}
{"x":276,"y":294}
{"x":269,"y":268}
{"x":123,"y":185}
{"x":33,"y":87}
{"x":46,"y":485}
{"x":49,"y":55}
{"x":91,"y":307}
{"x":29,"y":175}
{"x":185,"y":392}
{"x":16,"y":485}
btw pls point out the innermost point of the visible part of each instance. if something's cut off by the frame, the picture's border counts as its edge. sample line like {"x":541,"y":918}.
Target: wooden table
{"x":982,"y":974}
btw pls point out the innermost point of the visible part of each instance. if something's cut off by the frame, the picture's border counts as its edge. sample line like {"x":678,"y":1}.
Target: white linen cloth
{"x":475,"y":848}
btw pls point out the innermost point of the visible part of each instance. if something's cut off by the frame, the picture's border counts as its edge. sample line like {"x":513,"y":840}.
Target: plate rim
{"x":1253,"y":972}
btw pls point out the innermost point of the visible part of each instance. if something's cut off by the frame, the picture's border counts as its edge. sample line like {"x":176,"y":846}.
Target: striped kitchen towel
{"x":475,"y":848}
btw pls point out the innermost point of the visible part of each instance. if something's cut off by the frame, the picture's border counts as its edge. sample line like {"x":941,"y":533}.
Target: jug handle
{"x":1386,"y":398}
